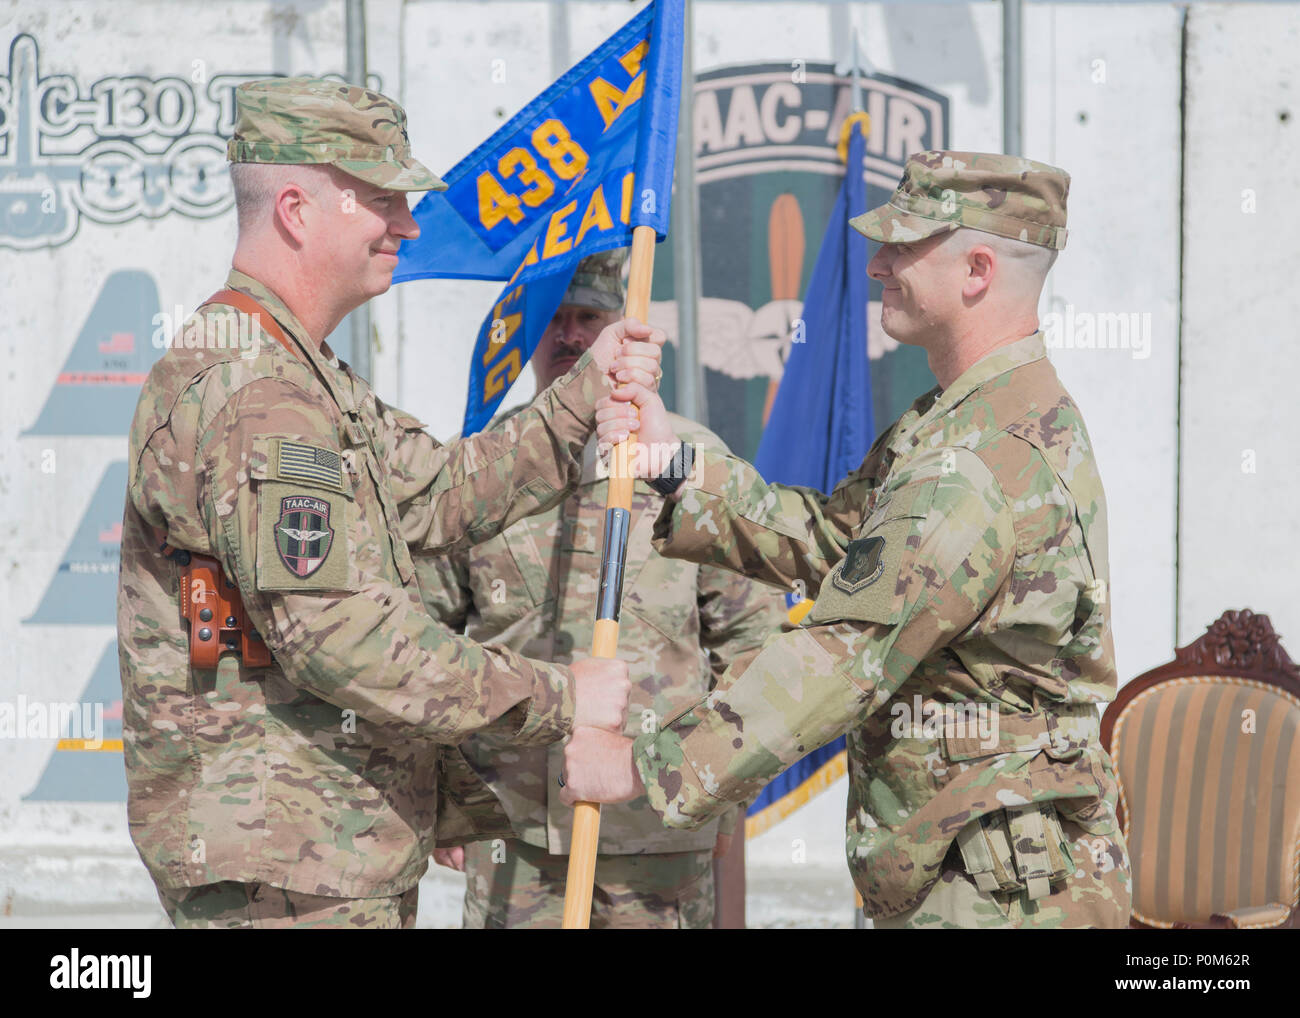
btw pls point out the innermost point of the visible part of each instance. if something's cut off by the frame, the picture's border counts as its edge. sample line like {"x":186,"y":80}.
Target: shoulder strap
{"x":249,"y":306}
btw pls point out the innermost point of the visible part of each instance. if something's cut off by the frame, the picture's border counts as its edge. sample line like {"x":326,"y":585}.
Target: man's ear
{"x":981,"y":266}
{"x":291,"y":211}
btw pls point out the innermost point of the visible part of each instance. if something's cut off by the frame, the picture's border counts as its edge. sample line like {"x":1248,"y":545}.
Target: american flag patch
{"x":308,"y":463}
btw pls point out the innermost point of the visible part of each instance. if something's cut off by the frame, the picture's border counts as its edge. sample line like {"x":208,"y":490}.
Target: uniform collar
{"x":322,"y":358}
{"x":992,"y":365}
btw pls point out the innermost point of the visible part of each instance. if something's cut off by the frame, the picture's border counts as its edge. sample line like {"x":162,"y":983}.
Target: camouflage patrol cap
{"x":598,"y":282}
{"x":314,"y":120}
{"x":942,"y":191}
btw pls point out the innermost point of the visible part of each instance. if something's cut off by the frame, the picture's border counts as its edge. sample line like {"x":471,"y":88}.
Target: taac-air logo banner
{"x":769,"y":174}
{"x":303,"y":535}
{"x":767,"y":117}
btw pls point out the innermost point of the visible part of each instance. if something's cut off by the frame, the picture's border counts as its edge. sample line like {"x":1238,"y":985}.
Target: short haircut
{"x":256,"y":185}
{"x":1025,"y":265}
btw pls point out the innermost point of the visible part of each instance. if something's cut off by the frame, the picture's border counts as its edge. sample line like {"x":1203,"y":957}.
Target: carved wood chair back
{"x":1207,"y":758}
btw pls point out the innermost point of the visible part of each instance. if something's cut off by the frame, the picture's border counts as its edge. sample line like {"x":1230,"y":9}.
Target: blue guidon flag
{"x":820,"y":429}
{"x":571,"y":174}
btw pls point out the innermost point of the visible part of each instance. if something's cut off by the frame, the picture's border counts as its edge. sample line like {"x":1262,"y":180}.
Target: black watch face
{"x":667,"y":485}
{"x":676,"y":472}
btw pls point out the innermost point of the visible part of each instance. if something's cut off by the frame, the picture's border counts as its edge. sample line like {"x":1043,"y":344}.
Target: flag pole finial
{"x":857,"y":72}
{"x":858,"y":115}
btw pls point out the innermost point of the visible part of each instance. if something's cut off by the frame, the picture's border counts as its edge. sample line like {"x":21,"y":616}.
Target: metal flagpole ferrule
{"x":618,"y":522}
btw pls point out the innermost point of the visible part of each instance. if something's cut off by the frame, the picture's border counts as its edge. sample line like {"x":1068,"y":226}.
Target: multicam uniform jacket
{"x":534,"y":587}
{"x":962,"y":573}
{"x":319,"y":773}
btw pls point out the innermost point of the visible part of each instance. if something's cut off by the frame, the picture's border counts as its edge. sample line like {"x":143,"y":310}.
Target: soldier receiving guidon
{"x":963,"y":563}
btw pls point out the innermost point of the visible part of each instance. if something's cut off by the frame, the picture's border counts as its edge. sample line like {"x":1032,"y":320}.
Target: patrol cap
{"x":315,"y":120}
{"x":1008,"y":196}
{"x":598,"y":281}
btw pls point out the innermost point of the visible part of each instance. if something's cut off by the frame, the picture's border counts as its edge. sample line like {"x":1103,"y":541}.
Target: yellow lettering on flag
{"x":611,"y":101}
{"x":597,"y":215}
{"x":495,"y":203}
{"x":529,"y":259}
{"x":540,"y":186}
{"x":631,"y":60}
{"x":625,"y":210}
{"x":554,"y":143}
{"x":509,"y":366}
{"x":511,"y":323}
{"x":556,"y":243}
{"x":507,"y":299}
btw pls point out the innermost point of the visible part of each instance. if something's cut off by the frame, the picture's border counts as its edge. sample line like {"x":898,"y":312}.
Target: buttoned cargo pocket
{"x":507,"y":577}
{"x":1090,"y":611}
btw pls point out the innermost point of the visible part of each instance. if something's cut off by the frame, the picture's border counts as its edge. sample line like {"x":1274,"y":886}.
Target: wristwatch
{"x":677,"y":470}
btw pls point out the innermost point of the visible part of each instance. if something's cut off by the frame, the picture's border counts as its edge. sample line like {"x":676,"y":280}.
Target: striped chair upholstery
{"x":1207,"y":757}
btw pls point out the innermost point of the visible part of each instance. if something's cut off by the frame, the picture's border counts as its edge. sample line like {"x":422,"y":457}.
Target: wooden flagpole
{"x":604,"y":643}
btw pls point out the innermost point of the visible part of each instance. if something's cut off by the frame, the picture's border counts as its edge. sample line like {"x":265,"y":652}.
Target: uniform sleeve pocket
{"x":870,"y":583}
{"x":302,"y":538}
{"x":303,"y":512}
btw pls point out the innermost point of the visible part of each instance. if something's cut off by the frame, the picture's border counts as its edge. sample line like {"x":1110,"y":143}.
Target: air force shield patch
{"x":863,"y":564}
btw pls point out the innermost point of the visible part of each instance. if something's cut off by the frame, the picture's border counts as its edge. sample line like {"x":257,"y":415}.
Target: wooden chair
{"x":1207,"y":756}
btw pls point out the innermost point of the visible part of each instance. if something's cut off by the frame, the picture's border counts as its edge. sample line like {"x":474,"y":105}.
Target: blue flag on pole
{"x":571,"y":174}
{"x":821,"y":425}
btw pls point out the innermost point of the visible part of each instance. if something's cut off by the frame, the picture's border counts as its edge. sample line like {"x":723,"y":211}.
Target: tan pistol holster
{"x":215,"y":611}
{"x":1018,"y":848}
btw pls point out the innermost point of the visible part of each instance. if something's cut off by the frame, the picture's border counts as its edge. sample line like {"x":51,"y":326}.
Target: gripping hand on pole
{"x":618,"y":511}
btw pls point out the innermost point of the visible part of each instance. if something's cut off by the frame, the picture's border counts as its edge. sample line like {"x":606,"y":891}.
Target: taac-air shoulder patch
{"x":302,"y":541}
{"x":303,"y":537}
{"x":302,"y":516}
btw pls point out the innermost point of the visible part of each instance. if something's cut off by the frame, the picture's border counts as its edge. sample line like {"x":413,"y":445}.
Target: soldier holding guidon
{"x":532,"y":588}
{"x":285,"y":694}
{"x":961,"y":633}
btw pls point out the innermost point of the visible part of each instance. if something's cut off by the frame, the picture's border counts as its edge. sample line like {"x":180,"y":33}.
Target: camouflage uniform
{"x":962,"y":573}
{"x":232,"y":905}
{"x":318,"y":776}
{"x":534,"y":589}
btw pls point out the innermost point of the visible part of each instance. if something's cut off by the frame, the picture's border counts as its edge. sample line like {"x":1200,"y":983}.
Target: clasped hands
{"x":634,"y":404}
{"x":598,"y":757}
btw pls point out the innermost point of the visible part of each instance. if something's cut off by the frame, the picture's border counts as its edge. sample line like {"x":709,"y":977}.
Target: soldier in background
{"x":534,"y":589}
{"x":293,"y":779}
{"x":961,"y":636}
